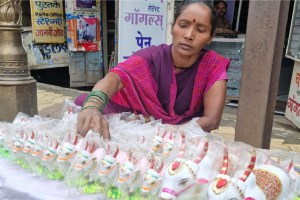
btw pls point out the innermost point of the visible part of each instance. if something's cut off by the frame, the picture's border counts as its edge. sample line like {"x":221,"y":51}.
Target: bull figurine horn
{"x":182,"y":148}
{"x":203,"y":153}
{"x":107,"y":149}
{"x":56,"y":144}
{"x":225,"y":162}
{"x":32,"y":135}
{"x":92,"y":149}
{"x":250,"y":167}
{"x":290,"y":166}
{"x":86,"y":146}
{"x":75,"y":140}
{"x":116,"y":153}
{"x":160,"y":167}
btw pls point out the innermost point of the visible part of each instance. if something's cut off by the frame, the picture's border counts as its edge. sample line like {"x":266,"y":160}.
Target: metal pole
{"x":238,"y":16}
{"x":17,"y":87}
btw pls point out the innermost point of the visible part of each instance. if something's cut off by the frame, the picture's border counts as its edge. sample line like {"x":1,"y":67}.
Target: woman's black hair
{"x":183,"y":4}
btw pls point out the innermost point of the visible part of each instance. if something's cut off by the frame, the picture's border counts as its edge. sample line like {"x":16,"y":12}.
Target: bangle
{"x":91,"y":107}
{"x":98,"y":97}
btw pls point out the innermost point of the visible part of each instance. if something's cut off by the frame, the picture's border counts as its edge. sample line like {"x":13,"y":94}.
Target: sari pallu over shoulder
{"x":140,"y":87}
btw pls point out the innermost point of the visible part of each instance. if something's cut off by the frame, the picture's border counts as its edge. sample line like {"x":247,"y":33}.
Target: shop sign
{"x":47,"y":21}
{"x":292,"y":111}
{"x":43,"y":56}
{"x":141,"y":24}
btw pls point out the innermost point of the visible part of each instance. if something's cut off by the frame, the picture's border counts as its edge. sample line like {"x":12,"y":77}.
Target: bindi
{"x":194,"y":20}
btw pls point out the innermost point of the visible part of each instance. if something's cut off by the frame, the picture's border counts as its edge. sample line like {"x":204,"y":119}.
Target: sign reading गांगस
{"x":141,"y":24}
{"x":47,"y":21}
{"x":292,"y":111}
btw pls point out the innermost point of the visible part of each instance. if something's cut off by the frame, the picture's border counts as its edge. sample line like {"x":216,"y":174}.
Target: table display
{"x":42,"y":158}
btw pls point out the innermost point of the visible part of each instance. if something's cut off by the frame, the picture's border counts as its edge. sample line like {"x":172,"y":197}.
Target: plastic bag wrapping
{"x":35,"y":142}
{"x":67,"y":150}
{"x":140,"y":144}
{"x":81,"y":174}
{"x":295,"y":173}
{"x":193,"y":130}
{"x":131,"y":171}
{"x":5,"y":131}
{"x":15,"y":142}
{"x":135,"y":134}
{"x":107,"y":169}
{"x":70,"y":108}
{"x":21,"y":118}
{"x":69,"y":120}
{"x":55,"y":137}
{"x":287,"y":161}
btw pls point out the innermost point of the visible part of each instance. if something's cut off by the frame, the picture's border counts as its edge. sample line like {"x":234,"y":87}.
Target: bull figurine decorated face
{"x":38,"y":149}
{"x":108,"y":166}
{"x":67,"y":151}
{"x":29,"y":144}
{"x":251,"y":184}
{"x":179,"y":176}
{"x":129,"y":177}
{"x":19,"y":141}
{"x":152,"y":179}
{"x":157,"y":143}
{"x":85,"y":161}
{"x":168,"y":145}
{"x":50,"y":152}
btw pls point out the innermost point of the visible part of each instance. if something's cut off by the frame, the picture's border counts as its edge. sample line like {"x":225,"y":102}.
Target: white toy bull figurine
{"x":152,"y":179}
{"x":85,"y":161}
{"x":50,"y":152}
{"x":29,"y":143}
{"x":181,"y":174}
{"x":108,"y":167}
{"x":157,"y":143}
{"x":67,"y":151}
{"x":264,"y":182}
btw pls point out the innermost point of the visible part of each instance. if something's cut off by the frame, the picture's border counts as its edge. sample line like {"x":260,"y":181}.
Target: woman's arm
{"x":110,"y":84}
{"x":214,"y":101}
{"x":92,"y":117}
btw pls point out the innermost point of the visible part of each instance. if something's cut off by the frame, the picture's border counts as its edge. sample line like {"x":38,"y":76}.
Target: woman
{"x":174,"y":83}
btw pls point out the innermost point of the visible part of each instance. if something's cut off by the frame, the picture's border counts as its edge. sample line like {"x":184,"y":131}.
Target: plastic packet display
{"x":15,"y":143}
{"x":70,"y":108}
{"x":108,"y":167}
{"x":130,"y":174}
{"x":48,"y":161}
{"x":35,"y":156}
{"x":67,"y":150}
{"x":21,"y":118}
{"x":4,"y":133}
{"x":50,"y":153}
{"x":81,"y":174}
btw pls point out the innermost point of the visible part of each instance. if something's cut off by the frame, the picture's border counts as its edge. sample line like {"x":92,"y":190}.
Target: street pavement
{"x":285,"y":135}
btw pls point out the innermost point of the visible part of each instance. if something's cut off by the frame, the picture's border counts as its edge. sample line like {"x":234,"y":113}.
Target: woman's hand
{"x":92,"y":119}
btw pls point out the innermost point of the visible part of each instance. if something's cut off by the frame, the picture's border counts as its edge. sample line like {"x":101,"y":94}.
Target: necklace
{"x":183,"y":68}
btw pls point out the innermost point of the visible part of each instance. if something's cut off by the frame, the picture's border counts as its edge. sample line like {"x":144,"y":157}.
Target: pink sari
{"x":151,"y":86}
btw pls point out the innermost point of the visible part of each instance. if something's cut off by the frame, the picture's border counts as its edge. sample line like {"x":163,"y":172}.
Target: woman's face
{"x":192,"y":30}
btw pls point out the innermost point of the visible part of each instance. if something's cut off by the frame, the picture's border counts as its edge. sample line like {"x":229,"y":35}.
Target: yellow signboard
{"x":47,"y":21}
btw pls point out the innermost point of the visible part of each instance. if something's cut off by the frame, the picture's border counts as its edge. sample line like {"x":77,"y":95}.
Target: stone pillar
{"x":261,"y":69}
{"x":17,"y":87}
